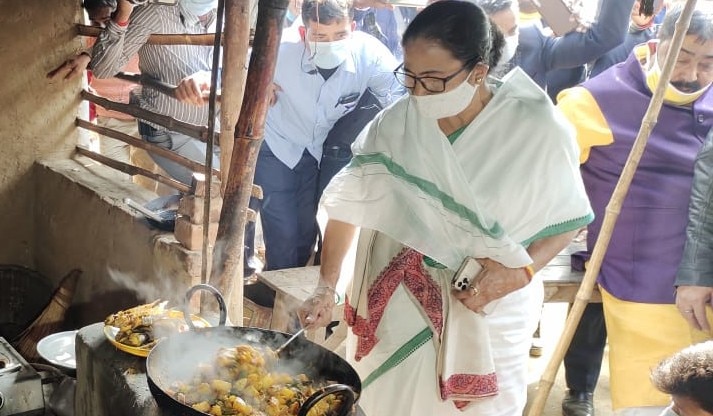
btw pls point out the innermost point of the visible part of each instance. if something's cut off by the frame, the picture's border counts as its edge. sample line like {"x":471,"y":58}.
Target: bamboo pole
{"x":133,"y":170}
{"x":235,"y":70}
{"x":612,"y":212}
{"x":141,"y":144}
{"x":198,"y":132}
{"x":228,"y":254}
{"x":157,"y":39}
{"x":160,"y":86}
{"x":256,"y":191}
{"x":206,"y":39}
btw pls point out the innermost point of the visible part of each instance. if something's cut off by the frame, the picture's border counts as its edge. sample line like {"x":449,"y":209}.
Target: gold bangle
{"x":530,"y":272}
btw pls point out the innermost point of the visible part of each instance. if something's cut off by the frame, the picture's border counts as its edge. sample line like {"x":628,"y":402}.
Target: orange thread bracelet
{"x":529,"y":271}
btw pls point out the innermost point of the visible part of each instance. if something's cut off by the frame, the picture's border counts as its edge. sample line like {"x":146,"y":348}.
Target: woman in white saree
{"x":465,"y":166}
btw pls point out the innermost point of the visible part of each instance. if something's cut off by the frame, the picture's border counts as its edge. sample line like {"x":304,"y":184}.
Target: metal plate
{"x":58,"y":349}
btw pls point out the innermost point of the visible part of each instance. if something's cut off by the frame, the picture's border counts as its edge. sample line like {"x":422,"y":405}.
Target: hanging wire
{"x":212,"y":102}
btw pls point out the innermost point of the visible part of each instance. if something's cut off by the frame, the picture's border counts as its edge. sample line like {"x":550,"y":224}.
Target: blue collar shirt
{"x":308,"y":106}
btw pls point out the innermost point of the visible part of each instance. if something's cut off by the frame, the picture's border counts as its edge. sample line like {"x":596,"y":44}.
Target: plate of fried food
{"x":138,"y":329}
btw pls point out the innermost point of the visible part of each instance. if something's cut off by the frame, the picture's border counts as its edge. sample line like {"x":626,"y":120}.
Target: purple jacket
{"x":647,"y":243}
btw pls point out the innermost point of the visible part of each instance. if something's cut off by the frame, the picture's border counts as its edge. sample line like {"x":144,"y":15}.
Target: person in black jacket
{"x":694,"y":279}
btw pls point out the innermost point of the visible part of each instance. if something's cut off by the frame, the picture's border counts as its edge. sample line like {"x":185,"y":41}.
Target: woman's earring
{"x":478,"y":80}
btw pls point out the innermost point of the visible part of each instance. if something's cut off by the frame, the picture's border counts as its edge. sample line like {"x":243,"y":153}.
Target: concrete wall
{"x":57,"y":213}
{"x":81,"y":222}
{"x":36,"y":117}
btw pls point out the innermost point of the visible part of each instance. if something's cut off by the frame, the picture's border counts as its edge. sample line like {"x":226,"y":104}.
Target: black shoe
{"x":578,"y":403}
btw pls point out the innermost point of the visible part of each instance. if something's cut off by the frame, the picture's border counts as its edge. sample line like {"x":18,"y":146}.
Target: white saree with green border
{"x":424,"y":202}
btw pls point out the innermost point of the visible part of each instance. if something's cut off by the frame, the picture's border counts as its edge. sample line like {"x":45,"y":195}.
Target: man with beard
{"x":637,"y":276}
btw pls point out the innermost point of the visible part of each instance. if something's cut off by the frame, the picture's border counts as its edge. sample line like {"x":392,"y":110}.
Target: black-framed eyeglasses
{"x":430,"y":84}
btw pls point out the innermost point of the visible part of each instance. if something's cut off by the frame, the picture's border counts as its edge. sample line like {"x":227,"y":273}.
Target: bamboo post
{"x":612,"y":212}
{"x":157,"y":39}
{"x":161,"y":119}
{"x":160,"y":86}
{"x":133,"y":170}
{"x":141,"y":144}
{"x":228,"y":254}
{"x":235,"y":53}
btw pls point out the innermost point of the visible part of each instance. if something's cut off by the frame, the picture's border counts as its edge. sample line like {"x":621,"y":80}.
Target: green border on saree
{"x":429,"y":188}
{"x":560,"y":228}
{"x":399,"y":356}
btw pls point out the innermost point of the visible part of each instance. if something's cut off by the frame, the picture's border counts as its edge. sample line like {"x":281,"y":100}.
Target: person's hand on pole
{"x":71,"y":68}
{"x":193,"y":89}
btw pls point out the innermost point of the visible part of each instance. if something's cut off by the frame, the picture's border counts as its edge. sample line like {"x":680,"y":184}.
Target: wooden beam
{"x":206,"y":39}
{"x":133,"y":170}
{"x":141,"y":144}
{"x":157,"y":39}
{"x":198,"y":132}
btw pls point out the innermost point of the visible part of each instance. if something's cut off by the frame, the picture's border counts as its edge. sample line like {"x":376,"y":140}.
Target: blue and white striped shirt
{"x":168,"y":63}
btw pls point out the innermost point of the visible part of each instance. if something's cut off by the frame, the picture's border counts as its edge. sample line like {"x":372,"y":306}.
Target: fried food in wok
{"x":244,"y":381}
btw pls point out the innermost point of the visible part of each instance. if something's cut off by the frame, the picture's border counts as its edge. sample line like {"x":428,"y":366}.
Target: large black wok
{"x":177,"y":357}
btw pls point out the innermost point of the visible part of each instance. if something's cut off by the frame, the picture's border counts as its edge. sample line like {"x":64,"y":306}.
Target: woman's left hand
{"x":493,"y":282}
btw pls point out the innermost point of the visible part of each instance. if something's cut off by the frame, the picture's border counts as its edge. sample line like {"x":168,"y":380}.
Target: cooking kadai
{"x":245,"y":381}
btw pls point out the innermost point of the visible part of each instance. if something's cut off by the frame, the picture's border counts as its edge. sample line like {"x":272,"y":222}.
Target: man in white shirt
{"x":319,"y":77}
{"x":323,"y":69}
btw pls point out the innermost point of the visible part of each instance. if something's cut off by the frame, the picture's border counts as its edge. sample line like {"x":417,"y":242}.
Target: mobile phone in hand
{"x":557,"y":15}
{"x":466,"y":274}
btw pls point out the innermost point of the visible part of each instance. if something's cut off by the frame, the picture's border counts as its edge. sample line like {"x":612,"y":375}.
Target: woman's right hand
{"x":316,"y":311}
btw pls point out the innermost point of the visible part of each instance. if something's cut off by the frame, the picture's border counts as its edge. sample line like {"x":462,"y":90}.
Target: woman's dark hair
{"x":461,"y":28}
{"x":689,"y":374}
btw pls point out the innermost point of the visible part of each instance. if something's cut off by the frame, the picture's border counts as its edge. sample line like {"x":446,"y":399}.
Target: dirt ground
{"x":552,"y":323}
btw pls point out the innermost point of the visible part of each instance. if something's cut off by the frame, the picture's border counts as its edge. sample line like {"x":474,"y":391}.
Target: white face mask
{"x":445,"y":104}
{"x":509,"y":49}
{"x":199,"y":7}
{"x":328,"y":55}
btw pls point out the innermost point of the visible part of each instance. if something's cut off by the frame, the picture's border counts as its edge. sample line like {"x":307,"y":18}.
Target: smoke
{"x":158,"y":286}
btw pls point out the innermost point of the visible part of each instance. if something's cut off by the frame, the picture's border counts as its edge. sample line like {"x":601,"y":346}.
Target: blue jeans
{"x":288,"y":210}
{"x":181,"y":144}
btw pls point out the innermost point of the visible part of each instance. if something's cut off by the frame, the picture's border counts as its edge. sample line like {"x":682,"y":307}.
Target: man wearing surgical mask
{"x":646,"y":316}
{"x":549,"y":59}
{"x":319,"y":77}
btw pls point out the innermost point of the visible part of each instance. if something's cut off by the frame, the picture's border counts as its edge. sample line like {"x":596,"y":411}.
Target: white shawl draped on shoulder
{"x":511,"y":177}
